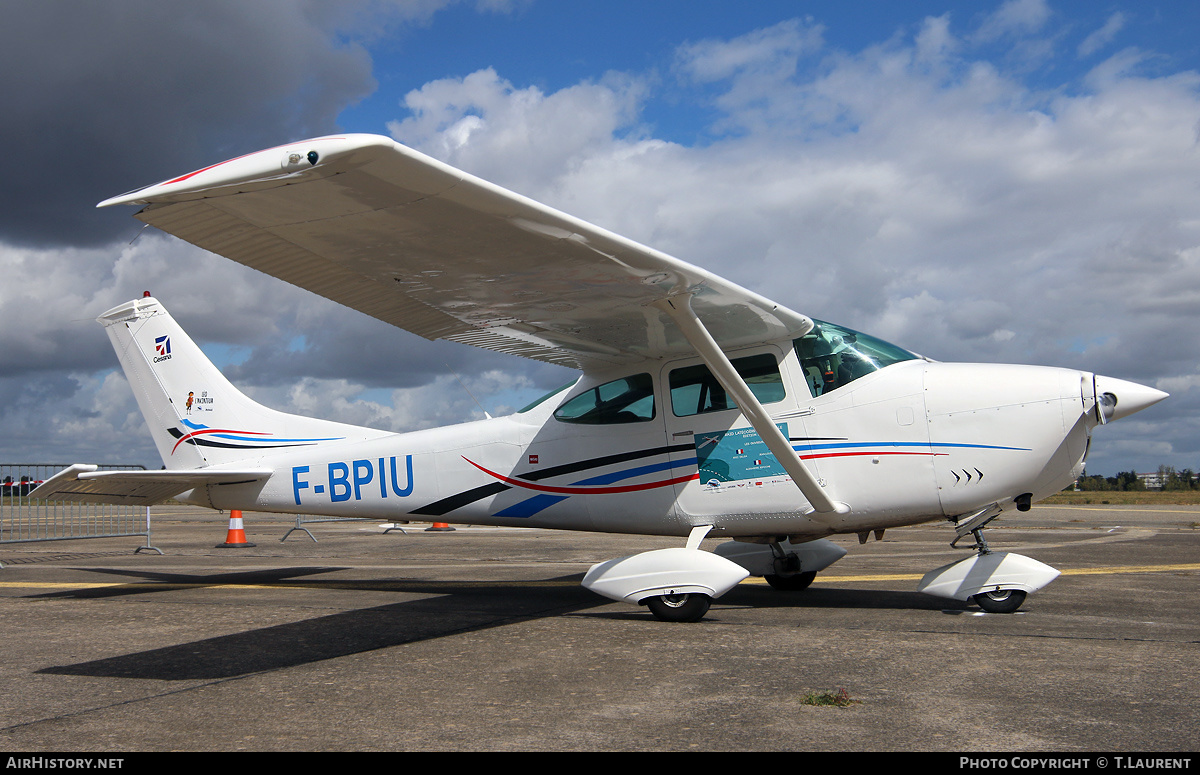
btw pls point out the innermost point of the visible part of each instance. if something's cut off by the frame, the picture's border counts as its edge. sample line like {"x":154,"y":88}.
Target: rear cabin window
{"x":694,"y":389}
{"x":625,"y":400}
{"x":545,"y":398}
{"x":832,"y":356}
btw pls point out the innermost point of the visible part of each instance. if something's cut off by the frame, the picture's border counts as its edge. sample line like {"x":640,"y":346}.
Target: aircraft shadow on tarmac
{"x":820,"y":596}
{"x":458,"y":607}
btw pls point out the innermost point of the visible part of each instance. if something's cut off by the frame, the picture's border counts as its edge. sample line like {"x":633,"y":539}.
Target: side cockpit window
{"x":832,"y":356}
{"x":694,"y":389}
{"x":625,"y":400}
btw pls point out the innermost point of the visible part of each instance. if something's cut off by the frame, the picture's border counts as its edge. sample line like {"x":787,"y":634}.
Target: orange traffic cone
{"x":439,"y":527}
{"x":237,"y":535}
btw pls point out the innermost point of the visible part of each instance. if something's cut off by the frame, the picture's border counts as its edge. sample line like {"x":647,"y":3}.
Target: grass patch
{"x":839,"y":699}
{"x":1127,"y":498}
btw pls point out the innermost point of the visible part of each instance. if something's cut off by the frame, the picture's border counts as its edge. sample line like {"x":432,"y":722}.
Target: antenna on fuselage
{"x":468,"y":392}
{"x":135,"y":236}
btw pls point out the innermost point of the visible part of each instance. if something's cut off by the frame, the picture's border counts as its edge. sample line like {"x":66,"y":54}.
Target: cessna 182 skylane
{"x":704,"y":409}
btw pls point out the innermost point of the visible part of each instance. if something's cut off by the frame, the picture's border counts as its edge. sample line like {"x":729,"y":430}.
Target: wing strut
{"x":679,"y":307}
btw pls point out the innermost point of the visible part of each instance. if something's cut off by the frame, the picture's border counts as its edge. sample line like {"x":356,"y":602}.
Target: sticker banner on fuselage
{"x":737,"y":454}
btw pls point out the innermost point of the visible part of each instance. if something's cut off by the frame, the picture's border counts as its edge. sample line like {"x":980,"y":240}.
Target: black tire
{"x":793,"y":582}
{"x":1003,"y":601}
{"x":689,"y":607}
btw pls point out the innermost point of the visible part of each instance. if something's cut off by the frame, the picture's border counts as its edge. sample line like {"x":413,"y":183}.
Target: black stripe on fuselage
{"x":446,"y":505}
{"x":198,"y":442}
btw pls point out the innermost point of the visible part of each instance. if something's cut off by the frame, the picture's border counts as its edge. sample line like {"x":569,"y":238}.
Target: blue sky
{"x":1003,"y":181}
{"x":552,"y":45}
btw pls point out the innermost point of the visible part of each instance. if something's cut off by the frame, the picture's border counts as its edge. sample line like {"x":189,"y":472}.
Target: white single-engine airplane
{"x":703,"y":410}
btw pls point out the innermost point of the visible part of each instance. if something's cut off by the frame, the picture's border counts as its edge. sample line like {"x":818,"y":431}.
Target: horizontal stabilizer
{"x":83,"y":483}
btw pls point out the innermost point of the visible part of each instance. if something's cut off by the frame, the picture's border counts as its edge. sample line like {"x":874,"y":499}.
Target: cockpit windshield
{"x":832,"y":356}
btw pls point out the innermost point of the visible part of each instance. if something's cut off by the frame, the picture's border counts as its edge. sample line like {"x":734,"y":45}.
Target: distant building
{"x":1155,"y":480}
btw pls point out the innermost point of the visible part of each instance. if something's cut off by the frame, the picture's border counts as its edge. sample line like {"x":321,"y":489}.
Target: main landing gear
{"x":789,"y":572}
{"x":791,"y":583}
{"x":686,"y":607}
{"x":1000,"y":601}
{"x":787,"y":567}
{"x":679,"y":585}
{"x":997,"y":582}
{"x":784,"y":566}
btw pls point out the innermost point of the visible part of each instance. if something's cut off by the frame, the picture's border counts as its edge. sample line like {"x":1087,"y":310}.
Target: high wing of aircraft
{"x":703,"y":409}
{"x":385,"y":230}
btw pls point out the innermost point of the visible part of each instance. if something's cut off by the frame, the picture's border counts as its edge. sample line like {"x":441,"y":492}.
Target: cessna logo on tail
{"x":162,"y":346}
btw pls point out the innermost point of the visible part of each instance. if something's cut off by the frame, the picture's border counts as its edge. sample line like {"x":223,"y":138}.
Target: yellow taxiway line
{"x":382,"y":585}
{"x":1103,"y":571}
{"x":1136,"y":511}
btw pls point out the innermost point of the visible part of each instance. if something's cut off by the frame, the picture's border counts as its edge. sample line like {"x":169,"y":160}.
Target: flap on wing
{"x":414,"y":242}
{"x":83,"y":483}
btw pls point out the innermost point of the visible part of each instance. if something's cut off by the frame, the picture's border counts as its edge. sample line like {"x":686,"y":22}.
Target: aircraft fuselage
{"x":909,"y":443}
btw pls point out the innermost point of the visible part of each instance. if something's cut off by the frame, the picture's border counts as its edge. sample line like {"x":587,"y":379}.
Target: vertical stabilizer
{"x":197,"y":417}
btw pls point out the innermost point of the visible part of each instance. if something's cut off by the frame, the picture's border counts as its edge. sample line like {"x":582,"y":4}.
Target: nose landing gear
{"x":997,"y":582}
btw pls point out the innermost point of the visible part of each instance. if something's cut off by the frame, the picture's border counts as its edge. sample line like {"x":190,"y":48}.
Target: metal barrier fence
{"x":25,"y":518}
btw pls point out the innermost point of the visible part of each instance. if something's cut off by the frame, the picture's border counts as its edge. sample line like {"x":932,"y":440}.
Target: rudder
{"x":196,"y":416}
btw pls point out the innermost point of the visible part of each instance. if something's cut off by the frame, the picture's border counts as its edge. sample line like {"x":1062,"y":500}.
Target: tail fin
{"x":196,"y":416}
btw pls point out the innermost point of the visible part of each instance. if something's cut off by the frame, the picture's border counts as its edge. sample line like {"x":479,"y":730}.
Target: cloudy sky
{"x":988,"y":181}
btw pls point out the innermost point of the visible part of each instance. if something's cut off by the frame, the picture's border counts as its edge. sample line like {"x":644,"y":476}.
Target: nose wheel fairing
{"x":993,"y":573}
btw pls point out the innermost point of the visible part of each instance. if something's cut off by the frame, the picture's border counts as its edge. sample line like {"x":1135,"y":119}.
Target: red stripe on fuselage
{"x":215,"y":430}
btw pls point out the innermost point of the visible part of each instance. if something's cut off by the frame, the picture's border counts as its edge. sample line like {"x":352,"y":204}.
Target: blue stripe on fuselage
{"x":540,"y":502}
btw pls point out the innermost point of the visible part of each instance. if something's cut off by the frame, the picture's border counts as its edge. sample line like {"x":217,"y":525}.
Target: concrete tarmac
{"x":482,"y":639}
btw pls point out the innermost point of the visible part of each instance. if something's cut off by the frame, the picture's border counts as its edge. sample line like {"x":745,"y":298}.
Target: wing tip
{"x":279,"y":162}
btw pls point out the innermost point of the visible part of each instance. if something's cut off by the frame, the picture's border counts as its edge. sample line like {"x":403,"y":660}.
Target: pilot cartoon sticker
{"x":198,"y":403}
